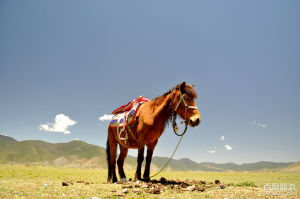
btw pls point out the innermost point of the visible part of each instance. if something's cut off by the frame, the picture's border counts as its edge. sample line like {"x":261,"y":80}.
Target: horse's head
{"x":184,"y":104}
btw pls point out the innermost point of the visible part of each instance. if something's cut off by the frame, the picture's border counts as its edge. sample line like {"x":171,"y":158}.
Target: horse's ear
{"x":182,"y":87}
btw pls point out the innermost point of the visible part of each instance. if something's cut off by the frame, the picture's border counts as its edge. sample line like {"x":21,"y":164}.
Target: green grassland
{"x":20,"y":181}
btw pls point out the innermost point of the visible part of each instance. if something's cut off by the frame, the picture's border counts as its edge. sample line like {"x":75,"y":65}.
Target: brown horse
{"x":152,"y":119}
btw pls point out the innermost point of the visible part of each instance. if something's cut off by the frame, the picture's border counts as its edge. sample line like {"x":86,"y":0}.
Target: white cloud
{"x":60,"y":125}
{"x":228,"y":148}
{"x":262,"y":125}
{"x":222,"y":138}
{"x":212,"y":151}
{"x":105,"y":117}
{"x":76,"y":139}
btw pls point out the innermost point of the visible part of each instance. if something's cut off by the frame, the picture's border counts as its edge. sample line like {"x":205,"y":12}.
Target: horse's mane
{"x":168,"y":121}
{"x":188,"y":90}
{"x":166,"y":93}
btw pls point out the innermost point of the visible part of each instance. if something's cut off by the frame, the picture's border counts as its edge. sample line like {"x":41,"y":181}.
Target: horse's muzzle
{"x":194,"y":120}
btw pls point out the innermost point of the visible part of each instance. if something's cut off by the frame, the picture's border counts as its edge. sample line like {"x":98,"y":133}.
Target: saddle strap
{"x":130,"y":131}
{"x":126,"y":138}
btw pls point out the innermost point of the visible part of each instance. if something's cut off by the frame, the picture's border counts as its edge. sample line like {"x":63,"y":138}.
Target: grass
{"x":20,"y":181}
{"x":245,"y":184}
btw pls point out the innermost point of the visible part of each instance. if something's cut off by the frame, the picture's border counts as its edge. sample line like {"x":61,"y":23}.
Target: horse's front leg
{"x":150,"y":149}
{"x":120,"y":162}
{"x":140,"y":159}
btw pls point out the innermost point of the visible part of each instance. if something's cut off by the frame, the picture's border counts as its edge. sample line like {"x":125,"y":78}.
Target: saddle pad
{"x":130,"y":104}
{"x":126,"y":115}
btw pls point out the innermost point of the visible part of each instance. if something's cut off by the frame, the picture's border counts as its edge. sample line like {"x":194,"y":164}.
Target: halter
{"x":185,"y":104}
{"x":174,"y":124}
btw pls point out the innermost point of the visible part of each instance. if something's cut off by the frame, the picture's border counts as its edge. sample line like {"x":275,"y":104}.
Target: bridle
{"x":185,"y":104}
{"x":174,"y":115}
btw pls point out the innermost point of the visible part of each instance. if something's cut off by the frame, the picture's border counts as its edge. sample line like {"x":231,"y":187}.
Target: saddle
{"x":125,"y":117}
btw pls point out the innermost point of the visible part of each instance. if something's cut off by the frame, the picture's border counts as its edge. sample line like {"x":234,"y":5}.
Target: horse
{"x":153,"y":116}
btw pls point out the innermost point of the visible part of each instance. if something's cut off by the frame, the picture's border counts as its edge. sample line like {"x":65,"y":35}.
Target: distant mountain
{"x":292,"y":168}
{"x":183,"y":164}
{"x":73,"y":154}
{"x":7,"y":138}
{"x":246,"y":166}
{"x":84,"y":155}
{"x":186,"y":164}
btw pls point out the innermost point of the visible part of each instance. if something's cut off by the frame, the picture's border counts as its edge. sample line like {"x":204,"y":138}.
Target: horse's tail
{"x":108,"y":158}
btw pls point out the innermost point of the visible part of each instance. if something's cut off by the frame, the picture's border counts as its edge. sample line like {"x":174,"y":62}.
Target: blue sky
{"x":83,"y":59}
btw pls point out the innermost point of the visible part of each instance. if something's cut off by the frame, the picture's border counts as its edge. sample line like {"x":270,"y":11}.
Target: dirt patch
{"x":159,"y":186}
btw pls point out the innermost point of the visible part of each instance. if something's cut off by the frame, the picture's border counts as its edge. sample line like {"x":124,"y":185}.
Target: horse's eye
{"x":187,"y":99}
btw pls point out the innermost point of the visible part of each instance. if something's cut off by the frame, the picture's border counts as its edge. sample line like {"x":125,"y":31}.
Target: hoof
{"x":123,"y":180}
{"x":137,"y":179}
{"x":146,"y":179}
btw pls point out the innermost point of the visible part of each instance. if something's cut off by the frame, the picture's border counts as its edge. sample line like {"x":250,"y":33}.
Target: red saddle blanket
{"x":126,"y":114}
{"x":130,"y":104}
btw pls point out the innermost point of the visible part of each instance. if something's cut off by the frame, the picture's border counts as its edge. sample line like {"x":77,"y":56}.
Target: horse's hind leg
{"x":111,"y":159}
{"x":120,"y":162}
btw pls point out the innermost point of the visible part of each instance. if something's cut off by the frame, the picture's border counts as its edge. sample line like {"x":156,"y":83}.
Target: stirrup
{"x":126,"y":135}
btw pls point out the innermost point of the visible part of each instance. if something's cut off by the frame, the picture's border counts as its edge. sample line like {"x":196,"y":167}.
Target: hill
{"x":72,"y":154}
{"x":292,"y":168}
{"x":246,"y":166}
{"x":7,"y":138}
{"x":186,"y":164}
{"x":84,"y":155}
